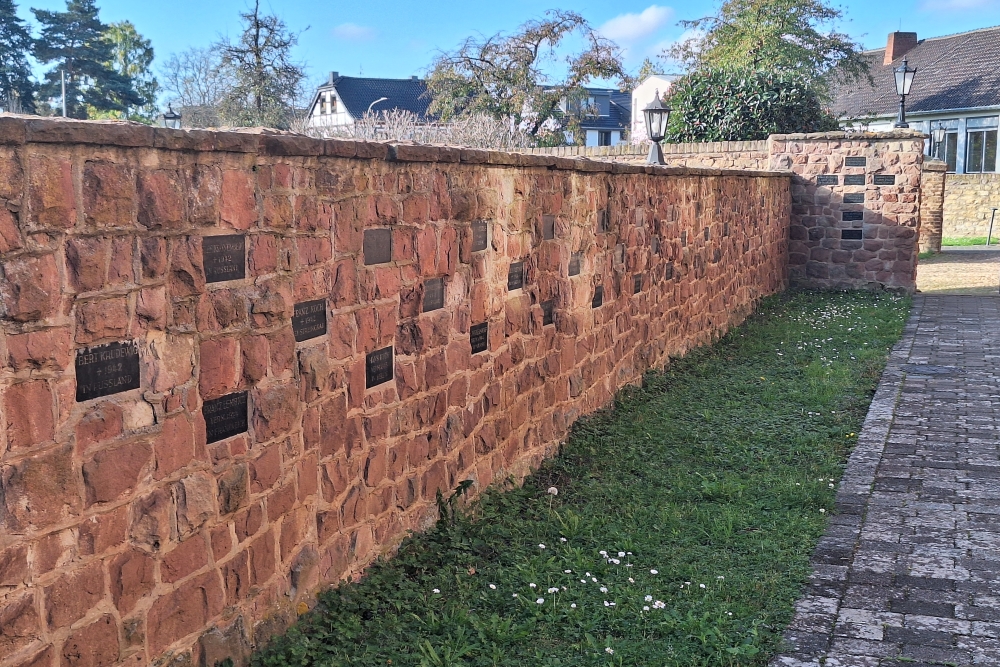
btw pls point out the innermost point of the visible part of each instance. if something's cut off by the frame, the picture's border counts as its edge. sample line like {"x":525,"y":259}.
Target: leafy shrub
{"x":744,"y":105}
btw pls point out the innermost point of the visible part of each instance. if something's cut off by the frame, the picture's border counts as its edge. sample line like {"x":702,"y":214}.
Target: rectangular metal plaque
{"x":827,"y":179}
{"x":885,"y":179}
{"x":480,"y":235}
{"x":515,"y":276}
{"x":378,"y":246}
{"x":224,"y":257}
{"x":603,"y":222}
{"x":684,"y":239}
{"x":850,"y":234}
{"x":433,"y":294}
{"x":309,"y":320}
{"x":378,"y":367}
{"x":655,"y":245}
{"x":479,"y":336}
{"x":106,"y":369}
{"x":575,"y":260}
{"x":548,"y":312}
{"x":668,"y":271}
{"x":850,"y":216}
{"x":636,"y":283}
{"x":854,"y":198}
{"x":855,"y":161}
{"x":725,"y":229}
{"x":854,"y":179}
{"x":225,"y":417}
{"x":548,"y":227}
{"x":708,"y":233}
{"x":598,"y":297}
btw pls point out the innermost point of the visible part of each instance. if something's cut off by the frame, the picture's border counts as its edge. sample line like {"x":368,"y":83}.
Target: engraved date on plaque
{"x":852,"y":216}
{"x":827,"y":179}
{"x":548,"y":227}
{"x":575,"y":260}
{"x":224,"y":257}
{"x":480,"y":235}
{"x":479,"y":337}
{"x":854,"y":198}
{"x":854,"y":179}
{"x":377,"y":246}
{"x":515,"y":276}
{"x":885,"y":179}
{"x":548,"y":312}
{"x":378,"y":367}
{"x":598,"y":297}
{"x":106,"y":369}
{"x":855,"y":161}
{"x":309,"y":320}
{"x":433,"y":294}
{"x":225,"y":417}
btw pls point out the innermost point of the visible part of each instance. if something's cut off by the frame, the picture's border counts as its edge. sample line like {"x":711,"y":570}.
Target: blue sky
{"x":398,"y":38}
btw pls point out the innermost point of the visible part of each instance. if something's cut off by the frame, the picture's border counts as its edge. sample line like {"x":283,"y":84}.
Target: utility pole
{"x":63,"y":72}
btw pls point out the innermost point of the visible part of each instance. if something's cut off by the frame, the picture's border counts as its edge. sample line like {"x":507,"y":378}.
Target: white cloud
{"x":666,"y":44}
{"x":353,"y":32}
{"x":627,"y":28}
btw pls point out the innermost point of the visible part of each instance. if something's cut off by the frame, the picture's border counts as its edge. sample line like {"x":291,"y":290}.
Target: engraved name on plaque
{"x":106,"y":369}
{"x":377,"y":246}
{"x":854,"y":179}
{"x":433,"y":294}
{"x":224,"y":257}
{"x":480,"y":235}
{"x":885,"y":179}
{"x":850,"y":216}
{"x":548,"y":227}
{"x":854,"y":198}
{"x":598,"y":297}
{"x":479,"y":335}
{"x":225,"y":417}
{"x":827,"y":179}
{"x":378,"y":367}
{"x":548,"y":312}
{"x":855,"y":161}
{"x":309,"y":320}
{"x":575,"y":260}
{"x":515,"y":276}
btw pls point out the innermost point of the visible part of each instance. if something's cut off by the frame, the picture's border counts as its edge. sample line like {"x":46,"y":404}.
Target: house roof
{"x":619,"y":114}
{"x":953,"y":72}
{"x":357,"y":93}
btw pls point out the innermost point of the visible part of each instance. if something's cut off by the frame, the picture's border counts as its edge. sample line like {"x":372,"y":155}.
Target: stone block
{"x":114,"y":472}
{"x":72,"y":595}
{"x":183,"y":611}
{"x":30,"y":410}
{"x":38,"y":491}
{"x":132,"y":577}
{"x":31,"y":290}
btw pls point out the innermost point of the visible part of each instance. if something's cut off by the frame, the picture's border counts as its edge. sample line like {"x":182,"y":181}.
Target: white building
{"x":343,"y":100}
{"x":642,"y":96}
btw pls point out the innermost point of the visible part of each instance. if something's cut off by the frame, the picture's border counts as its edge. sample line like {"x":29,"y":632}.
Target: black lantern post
{"x":657,"y":115}
{"x":937,"y":136}
{"x":171,"y":118}
{"x":904,"y":79}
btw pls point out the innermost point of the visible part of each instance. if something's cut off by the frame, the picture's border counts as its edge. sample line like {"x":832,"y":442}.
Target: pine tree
{"x":17,"y":92}
{"x":75,"y":40}
{"x":132,"y":56}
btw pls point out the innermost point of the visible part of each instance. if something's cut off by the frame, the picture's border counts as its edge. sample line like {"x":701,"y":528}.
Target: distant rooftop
{"x":357,"y":93}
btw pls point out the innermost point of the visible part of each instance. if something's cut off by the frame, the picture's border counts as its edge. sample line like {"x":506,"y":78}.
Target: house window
{"x":947,"y":151}
{"x":604,"y":138}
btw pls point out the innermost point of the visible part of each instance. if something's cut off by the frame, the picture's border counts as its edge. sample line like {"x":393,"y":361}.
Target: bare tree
{"x":196,"y":78}
{"x":267,"y":81}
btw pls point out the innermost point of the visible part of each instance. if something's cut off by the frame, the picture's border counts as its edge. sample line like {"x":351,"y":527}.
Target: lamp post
{"x":381,"y":99}
{"x":937,"y":136}
{"x":904,"y":79}
{"x":171,"y":118}
{"x":656,"y":127}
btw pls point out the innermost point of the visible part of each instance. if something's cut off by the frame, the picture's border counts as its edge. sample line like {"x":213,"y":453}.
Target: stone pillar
{"x":931,"y":205}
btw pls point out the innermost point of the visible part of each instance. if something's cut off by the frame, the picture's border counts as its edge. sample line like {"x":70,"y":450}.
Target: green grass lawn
{"x":970,"y":240}
{"x":681,"y":531}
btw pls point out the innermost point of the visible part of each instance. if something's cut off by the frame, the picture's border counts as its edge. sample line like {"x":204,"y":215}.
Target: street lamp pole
{"x":381,"y":99}
{"x":904,"y":79}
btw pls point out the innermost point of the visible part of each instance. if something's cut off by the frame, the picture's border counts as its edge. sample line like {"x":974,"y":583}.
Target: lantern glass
{"x":171,"y":119}
{"x":937,"y":134}
{"x":657,"y":115}
{"x":904,"y":78}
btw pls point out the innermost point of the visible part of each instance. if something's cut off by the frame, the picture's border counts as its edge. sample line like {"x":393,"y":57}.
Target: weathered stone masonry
{"x":127,"y":538}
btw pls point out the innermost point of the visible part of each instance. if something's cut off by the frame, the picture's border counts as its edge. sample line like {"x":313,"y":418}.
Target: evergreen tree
{"x":17,"y":92}
{"x":75,"y":40}
{"x":132,"y":57}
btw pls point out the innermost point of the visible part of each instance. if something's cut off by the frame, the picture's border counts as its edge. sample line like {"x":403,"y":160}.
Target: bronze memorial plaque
{"x":548,"y":227}
{"x":480,"y":235}
{"x":479,"y":337}
{"x":855,"y":161}
{"x":575,"y":260}
{"x":851,"y":216}
{"x":378,"y":367}
{"x":106,"y":369}
{"x":433,"y":294}
{"x":225,"y":417}
{"x":598,"y":297}
{"x":636,"y":283}
{"x":548,"y":312}
{"x":309,"y":320}
{"x":854,"y":198}
{"x":224,"y":257}
{"x":377,"y":246}
{"x":655,"y":245}
{"x":515,"y":276}
{"x":851,"y":234}
{"x":885,"y":179}
{"x":854,"y":179}
{"x":827,"y":179}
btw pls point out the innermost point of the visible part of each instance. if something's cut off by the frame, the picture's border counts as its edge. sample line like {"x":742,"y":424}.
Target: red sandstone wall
{"x":126,"y":539}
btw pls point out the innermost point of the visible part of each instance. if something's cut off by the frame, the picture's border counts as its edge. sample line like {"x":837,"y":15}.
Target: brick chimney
{"x":898,"y":45}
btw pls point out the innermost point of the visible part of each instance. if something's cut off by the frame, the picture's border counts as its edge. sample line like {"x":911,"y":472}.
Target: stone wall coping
{"x":850,"y":136}
{"x":932,"y":164}
{"x":19,"y":129}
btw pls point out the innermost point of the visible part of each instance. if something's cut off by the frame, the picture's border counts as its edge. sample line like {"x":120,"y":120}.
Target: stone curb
{"x":809,"y":636}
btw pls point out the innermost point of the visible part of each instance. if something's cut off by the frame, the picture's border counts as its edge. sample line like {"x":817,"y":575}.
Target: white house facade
{"x":641,"y":97}
{"x":343,"y":100}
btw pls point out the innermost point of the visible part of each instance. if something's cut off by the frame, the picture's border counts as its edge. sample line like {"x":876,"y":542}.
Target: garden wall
{"x":239,"y":366}
{"x":709,"y":154}
{"x":968,"y":203}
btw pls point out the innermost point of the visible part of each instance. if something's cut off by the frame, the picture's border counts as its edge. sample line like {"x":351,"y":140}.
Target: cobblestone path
{"x":961,"y":270}
{"x":908,"y":572}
